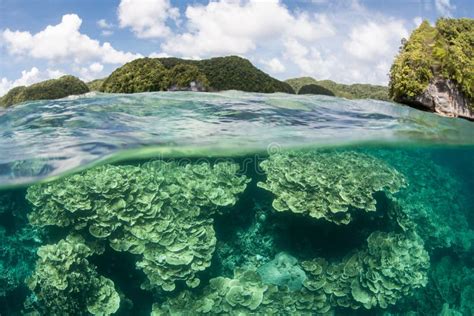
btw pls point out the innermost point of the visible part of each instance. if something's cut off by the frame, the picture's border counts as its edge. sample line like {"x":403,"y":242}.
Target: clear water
{"x":228,"y":203}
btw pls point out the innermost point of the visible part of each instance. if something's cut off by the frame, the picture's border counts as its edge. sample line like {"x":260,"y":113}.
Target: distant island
{"x":308,"y":85}
{"x":434,"y":71}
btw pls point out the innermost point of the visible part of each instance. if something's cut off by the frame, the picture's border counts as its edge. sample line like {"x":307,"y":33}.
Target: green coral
{"x":391,"y":267}
{"x":327,"y":185}
{"x":445,"y":50}
{"x":161,"y":211}
{"x":64,"y":281}
{"x":45,"y":90}
{"x":245,"y":294}
{"x":139,"y":75}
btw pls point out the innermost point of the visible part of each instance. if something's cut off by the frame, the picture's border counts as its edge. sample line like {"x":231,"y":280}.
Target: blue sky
{"x":343,"y":40}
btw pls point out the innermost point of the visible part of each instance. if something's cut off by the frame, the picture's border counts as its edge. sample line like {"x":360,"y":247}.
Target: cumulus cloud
{"x":274,"y":65}
{"x":147,"y":18}
{"x":444,"y":7}
{"x":27,"y":78}
{"x":238,"y":27}
{"x":371,"y":40}
{"x":103,"y":24}
{"x":93,"y":71}
{"x":106,"y":27}
{"x":63,"y":42}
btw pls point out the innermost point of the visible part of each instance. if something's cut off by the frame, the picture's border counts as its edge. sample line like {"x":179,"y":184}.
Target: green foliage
{"x":233,"y":73}
{"x":64,"y":282}
{"x":315,"y":89}
{"x":327,"y":185}
{"x":160,"y":211}
{"x":49,"y":89}
{"x":139,"y":75}
{"x":222,"y":73}
{"x":95,"y":85}
{"x":353,"y":91}
{"x":183,"y":75}
{"x":446,"y":51}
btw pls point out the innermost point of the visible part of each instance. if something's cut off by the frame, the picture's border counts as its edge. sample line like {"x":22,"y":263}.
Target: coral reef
{"x":161,"y":211}
{"x":17,"y":257}
{"x":283,"y":271}
{"x":327,"y":185}
{"x":391,"y":267}
{"x":243,"y":295}
{"x":435,"y":212}
{"x":64,"y":281}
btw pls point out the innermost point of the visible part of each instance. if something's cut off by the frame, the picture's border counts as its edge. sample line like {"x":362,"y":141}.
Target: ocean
{"x":233,"y":203}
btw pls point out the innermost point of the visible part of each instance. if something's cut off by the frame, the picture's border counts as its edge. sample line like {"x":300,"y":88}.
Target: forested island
{"x":434,"y":71}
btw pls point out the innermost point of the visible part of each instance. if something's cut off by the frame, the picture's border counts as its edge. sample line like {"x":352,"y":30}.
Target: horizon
{"x":347,"y":41}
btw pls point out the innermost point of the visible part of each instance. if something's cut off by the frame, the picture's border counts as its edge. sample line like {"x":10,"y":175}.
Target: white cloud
{"x":103,"y":24}
{"x":147,"y":18}
{"x":239,"y":27}
{"x":417,"y":20}
{"x":158,"y":55}
{"x":274,"y":65}
{"x":106,"y":27}
{"x":371,"y":40}
{"x":444,"y":7}
{"x":63,"y":42}
{"x":93,"y":71}
{"x":27,"y":78}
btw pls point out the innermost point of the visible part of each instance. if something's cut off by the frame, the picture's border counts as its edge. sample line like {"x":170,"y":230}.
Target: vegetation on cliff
{"x":49,"y":89}
{"x":140,"y":75}
{"x":445,"y":50}
{"x":95,"y":85}
{"x":215,"y":74}
{"x":315,"y":89}
{"x":353,"y":91}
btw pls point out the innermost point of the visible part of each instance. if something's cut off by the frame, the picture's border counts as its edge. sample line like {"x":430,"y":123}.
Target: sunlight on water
{"x":47,"y":138}
{"x":234,"y":204}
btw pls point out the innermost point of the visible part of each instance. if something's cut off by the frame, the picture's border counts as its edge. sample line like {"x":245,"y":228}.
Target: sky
{"x":346,"y":41}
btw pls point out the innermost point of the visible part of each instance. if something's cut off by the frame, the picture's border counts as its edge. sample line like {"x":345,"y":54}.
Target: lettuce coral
{"x":160,"y":210}
{"x":245,"y":294}
{"x":391,"y":267}
{"x":64,"y":281}
{"x":327,"y":185}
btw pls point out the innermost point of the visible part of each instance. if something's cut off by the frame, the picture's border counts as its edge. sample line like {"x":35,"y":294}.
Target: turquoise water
{"x":234,"y":203}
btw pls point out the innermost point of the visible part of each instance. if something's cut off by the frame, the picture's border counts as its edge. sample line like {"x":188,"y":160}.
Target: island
{"x":434,"y":69}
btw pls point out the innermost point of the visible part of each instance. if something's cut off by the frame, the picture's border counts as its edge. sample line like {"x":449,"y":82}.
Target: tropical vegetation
{"x":445,"y":50}
{"x":49,"y":89}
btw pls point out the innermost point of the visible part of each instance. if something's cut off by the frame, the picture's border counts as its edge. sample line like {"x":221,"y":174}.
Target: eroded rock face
{"x":443,"y":97}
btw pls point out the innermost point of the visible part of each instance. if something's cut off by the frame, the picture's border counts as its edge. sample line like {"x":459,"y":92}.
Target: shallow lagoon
{"x":234,"y":203}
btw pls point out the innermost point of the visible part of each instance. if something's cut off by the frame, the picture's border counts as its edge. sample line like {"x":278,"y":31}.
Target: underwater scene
{"x":232,"y":203}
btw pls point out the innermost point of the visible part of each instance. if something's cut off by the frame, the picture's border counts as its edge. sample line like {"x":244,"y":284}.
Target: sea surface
{"x":232,"y":203}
